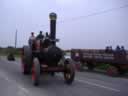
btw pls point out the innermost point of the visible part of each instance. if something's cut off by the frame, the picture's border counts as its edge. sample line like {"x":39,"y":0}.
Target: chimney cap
{"x":53,"y":16}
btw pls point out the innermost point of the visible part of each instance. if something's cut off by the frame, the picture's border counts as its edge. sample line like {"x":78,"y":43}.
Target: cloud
{"x":67,"y":2}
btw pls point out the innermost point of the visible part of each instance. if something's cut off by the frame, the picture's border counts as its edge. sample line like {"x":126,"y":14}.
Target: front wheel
{"x":36,"y":72}
{"x":69,"y":72}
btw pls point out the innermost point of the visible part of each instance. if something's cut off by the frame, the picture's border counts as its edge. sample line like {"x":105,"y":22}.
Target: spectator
{"x":110,"y":49}
{"x":123,"y":50}
{"x":107,"y":49}
{"x":118,"y":48}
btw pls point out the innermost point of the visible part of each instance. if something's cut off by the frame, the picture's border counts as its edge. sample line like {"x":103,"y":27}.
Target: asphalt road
{"x":14,"y":83}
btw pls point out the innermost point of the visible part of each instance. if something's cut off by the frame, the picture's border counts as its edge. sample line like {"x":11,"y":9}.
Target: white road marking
{"x":16,"y":63}
{"x":20,"y":93}
{"x":23,"y":91}
{"x":4,"y":76}
{"x":94,"y":84}
{"x":98,"y":85}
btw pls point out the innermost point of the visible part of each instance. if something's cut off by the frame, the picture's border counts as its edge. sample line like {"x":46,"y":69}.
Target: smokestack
{"x":53,"y":18}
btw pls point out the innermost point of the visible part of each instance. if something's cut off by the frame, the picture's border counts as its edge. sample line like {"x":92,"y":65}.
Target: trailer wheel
{"x":90,"y":66}
{"x":26,"y":59}
{"x":69,"y":72}
{"x":52,"y":74}
{"x":113,"y":71}
{"x":121,"y":71}
{"x":36,"y":72}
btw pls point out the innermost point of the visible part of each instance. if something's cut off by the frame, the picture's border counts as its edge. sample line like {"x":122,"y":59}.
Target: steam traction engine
{"x":45,"y":56}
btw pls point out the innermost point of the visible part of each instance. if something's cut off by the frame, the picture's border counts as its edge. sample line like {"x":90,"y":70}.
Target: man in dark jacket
{"x":40,"y":36}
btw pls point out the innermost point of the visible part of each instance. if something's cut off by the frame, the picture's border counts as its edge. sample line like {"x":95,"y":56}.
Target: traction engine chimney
{"x":53,"y":18}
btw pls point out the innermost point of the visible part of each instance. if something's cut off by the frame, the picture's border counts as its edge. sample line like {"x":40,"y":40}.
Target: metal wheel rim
{"x":68,"y":75}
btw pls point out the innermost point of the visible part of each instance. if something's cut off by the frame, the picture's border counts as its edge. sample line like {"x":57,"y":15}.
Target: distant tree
{"x":10,"y":47}
{"x":0,"y":47}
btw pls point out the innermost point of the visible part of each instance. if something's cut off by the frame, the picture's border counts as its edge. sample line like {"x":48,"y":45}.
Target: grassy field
{"x":103,"y":66}
{"x":6,"y":51}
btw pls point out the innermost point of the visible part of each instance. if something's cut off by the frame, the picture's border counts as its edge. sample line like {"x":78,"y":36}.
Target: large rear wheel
{"x":26,"y":59}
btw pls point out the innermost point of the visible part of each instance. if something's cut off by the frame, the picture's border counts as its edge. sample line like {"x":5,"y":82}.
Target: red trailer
{"x":118,"y":60}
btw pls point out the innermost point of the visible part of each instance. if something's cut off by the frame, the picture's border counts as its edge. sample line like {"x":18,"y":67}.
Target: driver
{"x":31,"y":39}
{"x":40,"y":36}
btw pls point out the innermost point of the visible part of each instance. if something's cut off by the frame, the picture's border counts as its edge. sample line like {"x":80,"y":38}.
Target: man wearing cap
{"x":40,"y":36}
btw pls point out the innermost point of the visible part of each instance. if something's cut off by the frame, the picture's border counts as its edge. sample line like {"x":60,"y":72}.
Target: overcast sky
{"x":108,"y":27}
